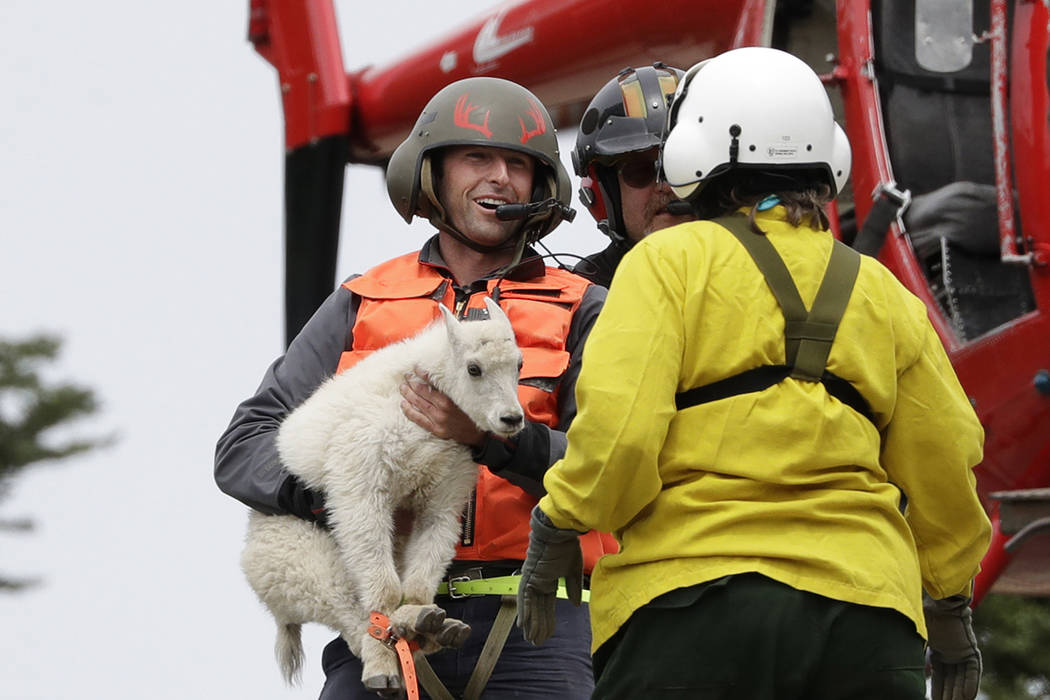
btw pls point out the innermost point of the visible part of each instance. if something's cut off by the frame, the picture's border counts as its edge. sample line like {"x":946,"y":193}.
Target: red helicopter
{"x":946,"y":105}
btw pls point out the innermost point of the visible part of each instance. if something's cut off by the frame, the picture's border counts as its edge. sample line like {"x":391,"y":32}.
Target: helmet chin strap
{"x":519,"y":250}
{"x":613,"y":226}
{"x":606,"y":227}
{"x":513,"y":239}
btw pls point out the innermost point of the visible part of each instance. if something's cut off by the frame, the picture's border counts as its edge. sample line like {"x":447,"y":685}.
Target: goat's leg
{"x":431,"y":545}
{"x":362,"y":525}
{"x":429,"y":549}
{"x":380,"y":672}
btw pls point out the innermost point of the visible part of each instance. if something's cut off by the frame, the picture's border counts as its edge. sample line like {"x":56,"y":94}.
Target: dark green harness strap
{"x":808,"y":335}
{"x":429,"y":680}
{"x":508,"y":612}
{"x":501,"y":626}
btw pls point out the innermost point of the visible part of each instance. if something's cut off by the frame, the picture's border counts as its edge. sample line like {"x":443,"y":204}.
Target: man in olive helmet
{"x":482,"y":165}
{"x":615,"y":156}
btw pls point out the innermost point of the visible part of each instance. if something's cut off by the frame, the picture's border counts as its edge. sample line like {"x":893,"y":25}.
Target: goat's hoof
{"x":454,"y":633}
{"x":385,"y":686}
{"x":431,"y":620}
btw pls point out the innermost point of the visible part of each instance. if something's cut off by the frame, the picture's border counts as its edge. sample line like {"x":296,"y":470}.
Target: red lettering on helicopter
{"x":461,"y":117}
{"x":537,"y":117}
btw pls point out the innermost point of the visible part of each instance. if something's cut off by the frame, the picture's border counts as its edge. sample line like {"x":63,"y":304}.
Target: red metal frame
{"x":300,"y":38}
{"x":997,"y":35}
{"x":1028,"y":110}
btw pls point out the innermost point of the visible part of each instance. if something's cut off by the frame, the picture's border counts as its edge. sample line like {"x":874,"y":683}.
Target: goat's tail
{"x":289,"y":651}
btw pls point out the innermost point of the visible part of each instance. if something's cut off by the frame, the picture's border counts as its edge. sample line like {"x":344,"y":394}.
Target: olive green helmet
{"x":480,"y":111}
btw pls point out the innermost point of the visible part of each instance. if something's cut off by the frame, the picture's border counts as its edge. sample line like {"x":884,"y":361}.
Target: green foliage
{"x":29,"y":410}
{"x":1014,"y":636}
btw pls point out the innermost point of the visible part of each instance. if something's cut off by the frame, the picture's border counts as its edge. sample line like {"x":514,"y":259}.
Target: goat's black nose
{"x":512,"y":420}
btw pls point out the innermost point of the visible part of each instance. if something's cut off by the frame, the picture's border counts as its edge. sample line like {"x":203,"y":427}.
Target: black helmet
{"x":480,"y":111}
{"x":627,"y":115}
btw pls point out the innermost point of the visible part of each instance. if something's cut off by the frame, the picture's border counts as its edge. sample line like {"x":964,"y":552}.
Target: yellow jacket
{"x":788,"y":482}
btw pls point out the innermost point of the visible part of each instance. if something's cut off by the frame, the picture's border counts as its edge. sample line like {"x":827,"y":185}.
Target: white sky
{"x":141,"y":219}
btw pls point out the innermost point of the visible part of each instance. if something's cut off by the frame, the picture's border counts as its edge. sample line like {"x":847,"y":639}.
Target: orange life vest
{"x":399,"y":298}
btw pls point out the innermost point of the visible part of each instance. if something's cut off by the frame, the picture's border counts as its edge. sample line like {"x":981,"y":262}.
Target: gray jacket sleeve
{"x":525,"y":459}
{"x":247,"y":466}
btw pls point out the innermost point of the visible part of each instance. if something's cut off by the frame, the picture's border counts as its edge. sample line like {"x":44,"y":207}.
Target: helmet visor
{"x":634,"y":104}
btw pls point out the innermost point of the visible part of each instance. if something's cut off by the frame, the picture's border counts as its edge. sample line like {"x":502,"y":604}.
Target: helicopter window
{"x":938,"y":129}
{"x":938,"y":124}
{"x":943,"y":34}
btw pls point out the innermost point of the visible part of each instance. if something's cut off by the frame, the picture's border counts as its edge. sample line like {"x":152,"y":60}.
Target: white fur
{"x":351,"y":441}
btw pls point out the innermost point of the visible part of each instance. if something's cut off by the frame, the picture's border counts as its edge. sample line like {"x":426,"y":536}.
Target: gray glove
{"x":553,"y":553}
{"x":954,"y":657}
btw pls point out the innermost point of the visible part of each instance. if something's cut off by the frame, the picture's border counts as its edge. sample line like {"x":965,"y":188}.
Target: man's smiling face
{"x":477,"y":179}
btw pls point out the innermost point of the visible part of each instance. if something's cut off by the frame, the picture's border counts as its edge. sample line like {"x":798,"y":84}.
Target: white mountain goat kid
{"x":351,"y":441}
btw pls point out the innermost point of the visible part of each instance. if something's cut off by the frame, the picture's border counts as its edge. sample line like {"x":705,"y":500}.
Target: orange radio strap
{"x":379,"y":628}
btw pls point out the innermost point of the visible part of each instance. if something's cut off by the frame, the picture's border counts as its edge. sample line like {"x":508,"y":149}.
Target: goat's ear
{"x":451,"y":323}
{"x":494,"y":310}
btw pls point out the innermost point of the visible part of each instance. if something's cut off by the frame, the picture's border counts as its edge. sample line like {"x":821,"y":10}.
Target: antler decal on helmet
{"x":537,"y":117}
{"x":461,"y":117}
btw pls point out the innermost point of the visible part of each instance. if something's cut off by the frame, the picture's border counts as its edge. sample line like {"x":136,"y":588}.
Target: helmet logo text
{"x":537,"y":118}
{"x":777,"y":151}
{"x":461,"y":117}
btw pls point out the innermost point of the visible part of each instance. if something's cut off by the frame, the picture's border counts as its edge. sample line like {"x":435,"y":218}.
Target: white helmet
{"x":757,"y":108}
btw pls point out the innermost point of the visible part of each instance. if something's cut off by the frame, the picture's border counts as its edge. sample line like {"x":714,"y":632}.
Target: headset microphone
{"x":511,"y":212}
{"x":678,"y":207}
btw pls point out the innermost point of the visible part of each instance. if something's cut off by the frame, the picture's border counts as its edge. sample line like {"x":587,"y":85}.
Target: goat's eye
{"x":474,"y":369}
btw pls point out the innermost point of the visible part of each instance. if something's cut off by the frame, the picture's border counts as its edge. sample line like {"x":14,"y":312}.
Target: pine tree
{"x":29,"y":410}
{"x":1013,"y":633}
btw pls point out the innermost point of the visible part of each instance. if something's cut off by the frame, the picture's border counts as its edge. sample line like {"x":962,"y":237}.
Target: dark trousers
{"x":747,"y":637}
{"x":559,"y":669}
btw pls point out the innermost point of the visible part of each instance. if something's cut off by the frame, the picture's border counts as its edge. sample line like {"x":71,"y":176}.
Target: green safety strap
{"x":499,"y":585}
{"x":479,"y":678}
{"x":808,"y":335}
{"x":429,"y":679}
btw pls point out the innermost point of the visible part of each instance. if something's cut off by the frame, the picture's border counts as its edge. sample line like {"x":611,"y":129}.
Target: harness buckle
{"x":379,"y":628}
{"x":452,"y":593}
{"x":902,"y":198}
